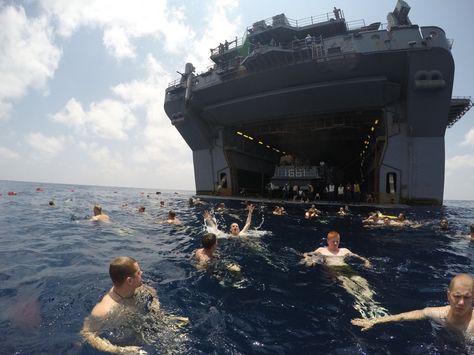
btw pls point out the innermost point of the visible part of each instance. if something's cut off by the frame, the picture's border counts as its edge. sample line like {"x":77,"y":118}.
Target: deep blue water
{"x":54,"y":263}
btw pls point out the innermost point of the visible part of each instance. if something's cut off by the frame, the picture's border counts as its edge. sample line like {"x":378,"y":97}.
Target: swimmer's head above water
{"x":333,"y":240}
{"x":125,"y":271}
{"x":234,"y":229}
{"x":209,"y":241}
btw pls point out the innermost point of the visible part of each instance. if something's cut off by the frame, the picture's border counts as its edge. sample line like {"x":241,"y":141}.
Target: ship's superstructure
{"x":322,"y":100}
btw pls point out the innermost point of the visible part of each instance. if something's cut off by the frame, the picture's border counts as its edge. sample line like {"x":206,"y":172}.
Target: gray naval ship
{"x":321,"y":100}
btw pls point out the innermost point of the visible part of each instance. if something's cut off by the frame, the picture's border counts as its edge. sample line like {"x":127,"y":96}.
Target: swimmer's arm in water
{"x":248,"y":221}
{"x":361,"y":258}
{"x":366,"y":324}
{"x":154,"y":305}
{"x":233,"y":267}
{"x":208,"y":220}
{"x":92,"y":326}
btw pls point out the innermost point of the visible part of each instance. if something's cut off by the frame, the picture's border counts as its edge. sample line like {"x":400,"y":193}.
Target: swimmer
{"x":472,"y":232}
{"x":334,"y":258}
{"x":457,"y":315}
{"x":341,"y":212}
{"x":141,"y":209}
{"x":196,"y":202}
{"x":234,"y":227}
{"x":125,"y":294}
{"x":172,"y":219}
{"x":98,"y":215}
{"x":333,"y":255}
{"x":162,"y":203}
{"x":373,"y":218}
{"x":312,"y":212}
{"x":279,"y":211}
{"x":208,"y":251}
{"x":443,"y":223}
{"x":51,"y":203}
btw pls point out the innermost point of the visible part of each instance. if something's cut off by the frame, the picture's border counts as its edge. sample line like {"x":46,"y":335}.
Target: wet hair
{"x":171,"y":214}
{"x":51,"y":203}
{"x":141,"y":209}
{"x":402,"y":217}
{"x":208,"y":240}
{"x":98,"y":208}
{"x":333,"y":234}
{"x":472,"y":228}
{"x":120,"y":268}
{"x":461,"y":276}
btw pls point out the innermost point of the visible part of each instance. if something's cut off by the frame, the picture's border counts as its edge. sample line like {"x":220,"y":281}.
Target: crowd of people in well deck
{"x":128,"y":294}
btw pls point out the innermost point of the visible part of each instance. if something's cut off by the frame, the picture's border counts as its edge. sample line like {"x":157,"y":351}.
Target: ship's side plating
{"x":372,"y":103}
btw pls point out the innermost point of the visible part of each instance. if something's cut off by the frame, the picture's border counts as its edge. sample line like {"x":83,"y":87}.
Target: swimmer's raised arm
{"x":367,"y":324}
{"x":208,"y":220}
{"x":248,"y":221}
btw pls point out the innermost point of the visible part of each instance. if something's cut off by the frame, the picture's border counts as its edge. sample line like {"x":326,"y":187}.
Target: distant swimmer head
{"x":234,"y":229}
{"x":402,"y":217}
{"x":97,"y":210}
{"x":171,"y":215}
{"x":472,"y":231}
{"x":162,"y":203}
{"x":51,"y":203}
{"x":209,"y":240}
{"x":443,"y":223}
{"x":141,"y":209}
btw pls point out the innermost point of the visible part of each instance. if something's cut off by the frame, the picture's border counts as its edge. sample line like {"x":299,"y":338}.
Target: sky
{"x":82,"y":83}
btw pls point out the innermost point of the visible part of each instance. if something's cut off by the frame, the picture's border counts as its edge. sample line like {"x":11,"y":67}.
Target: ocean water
{"x":54,"y":268}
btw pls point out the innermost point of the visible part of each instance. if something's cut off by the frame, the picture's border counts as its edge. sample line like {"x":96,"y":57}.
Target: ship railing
{"x":226,"y":46}
{"x":174,"y":83}
{"x":355,"y":24}
{"x":283,"y":20}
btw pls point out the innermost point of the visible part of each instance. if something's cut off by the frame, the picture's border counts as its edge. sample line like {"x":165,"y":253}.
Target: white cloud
{"x":46,"y":146}
{"x":469,"y":138}
{"x":123,"y":21}
{"x":28,"y":57}
{"x":106,"y":119}
{"x":8,"y":154}
{"x":105,"y":161}
{"x":116,"y":40}
{"x":459,"y":162}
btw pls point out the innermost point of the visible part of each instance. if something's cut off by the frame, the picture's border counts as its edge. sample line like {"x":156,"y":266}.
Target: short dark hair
{"x":208,"y":240}
{"x":472,"y":228}
{"x":171,"y":214}
{"x":120,"y":268}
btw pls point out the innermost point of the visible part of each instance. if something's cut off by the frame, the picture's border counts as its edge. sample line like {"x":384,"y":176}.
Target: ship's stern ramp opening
{"x":340,"y":146}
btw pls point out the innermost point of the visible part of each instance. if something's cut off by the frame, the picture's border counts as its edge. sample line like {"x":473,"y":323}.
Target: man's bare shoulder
{"x":344,"y":251}
{"x":436,"y":313}
{"x":104,"y":307}
{"x":321,"y":250}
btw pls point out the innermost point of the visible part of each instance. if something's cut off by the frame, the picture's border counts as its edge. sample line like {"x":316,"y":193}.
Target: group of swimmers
{"x":130,"y":295}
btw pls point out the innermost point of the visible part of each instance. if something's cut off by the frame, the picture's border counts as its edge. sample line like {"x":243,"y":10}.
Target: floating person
{"x":172,"y":219}
{"x":312,"y":212}
{"x":234,"y":227}
{"x":279,"y":211}
{"x":141,"y":209}
{"x":443,"y":224}
{"x":333,"y":258}
{"x":51,"y":203}
{"x":472,"y":232}
{"x":208,"y":252}
{"x":341,"y":212}
{"x":196,"y":202}
{"x":457,"y":315}
{"x":98,"y":215}
{"x":121,"y":308}
{"x":162,"y":203}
